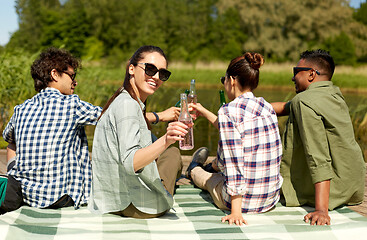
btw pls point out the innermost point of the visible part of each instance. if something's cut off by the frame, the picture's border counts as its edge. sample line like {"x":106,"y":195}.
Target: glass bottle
{"x":222,"y":98}
{"x":178,"y":103}
{"x":192,"y":97}
{"x":188,"y":142}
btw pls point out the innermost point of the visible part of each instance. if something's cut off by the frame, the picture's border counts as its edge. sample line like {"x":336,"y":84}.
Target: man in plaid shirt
{"x":47,"y":142}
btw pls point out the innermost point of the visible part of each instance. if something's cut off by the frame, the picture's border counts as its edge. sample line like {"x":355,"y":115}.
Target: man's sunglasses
{"x":151,"y":70}
{"x":296,"y":70}
{"x":72,"y":76}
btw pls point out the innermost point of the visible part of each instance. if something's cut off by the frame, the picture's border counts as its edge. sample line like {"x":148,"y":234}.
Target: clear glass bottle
{"x":192,"y":97}
{"x":222,"y":98}
{"x":188,"y":142}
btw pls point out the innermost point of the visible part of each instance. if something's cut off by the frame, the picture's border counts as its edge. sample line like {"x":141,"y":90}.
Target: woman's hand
{"x":202,"y":111}
{"x":175,"y":131}
{"x":170,"y":114}
{"x":234,"y":218}
{"x":236,"y":213}
{"x":199,"y":109}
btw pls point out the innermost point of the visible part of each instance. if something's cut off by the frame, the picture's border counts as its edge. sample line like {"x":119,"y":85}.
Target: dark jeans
{"x":13,"y":196}
{"x":64,"y":201}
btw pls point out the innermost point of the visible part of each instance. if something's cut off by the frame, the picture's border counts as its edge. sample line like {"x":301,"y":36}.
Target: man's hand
{"x":318,"y":218}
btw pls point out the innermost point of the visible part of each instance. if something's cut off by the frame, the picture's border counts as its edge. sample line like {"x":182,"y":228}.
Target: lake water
{"x":204,"y":133}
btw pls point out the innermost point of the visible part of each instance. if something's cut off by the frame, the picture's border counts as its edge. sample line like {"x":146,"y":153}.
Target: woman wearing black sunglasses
{"x":246,"y":172}
{"x":132,"y":176}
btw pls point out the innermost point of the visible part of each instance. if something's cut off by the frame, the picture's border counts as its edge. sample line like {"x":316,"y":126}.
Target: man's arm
{"x":10,"y":151}
{"x":314,"y":138}
{"x":320,"y":216}
{"x":281,"y":108}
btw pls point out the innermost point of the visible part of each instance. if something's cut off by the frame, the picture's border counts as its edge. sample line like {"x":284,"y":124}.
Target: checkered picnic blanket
{"x":194,"y":217}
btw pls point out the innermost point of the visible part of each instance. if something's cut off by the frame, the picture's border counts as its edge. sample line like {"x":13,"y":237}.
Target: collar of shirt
{"x":142,"y":106}
{"x":247,"y":95}
{"x":50,"y":89}
{"x":320,"y":84}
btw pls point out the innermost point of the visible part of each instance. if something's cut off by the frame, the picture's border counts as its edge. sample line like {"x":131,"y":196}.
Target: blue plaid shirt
{"x":52,"y":157}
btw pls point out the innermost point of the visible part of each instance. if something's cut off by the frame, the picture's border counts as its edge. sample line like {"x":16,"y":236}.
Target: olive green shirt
{"x":319,"y":145}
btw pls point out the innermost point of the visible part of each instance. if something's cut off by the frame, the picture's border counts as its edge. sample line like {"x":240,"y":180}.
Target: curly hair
{"x":51,"y":58}
{"x":245,"y":69}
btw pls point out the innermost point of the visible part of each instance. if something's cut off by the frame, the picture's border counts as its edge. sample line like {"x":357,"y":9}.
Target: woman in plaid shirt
{"x":249,"y":148}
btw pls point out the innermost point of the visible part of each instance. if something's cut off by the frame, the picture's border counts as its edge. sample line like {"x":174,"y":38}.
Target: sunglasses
{"x":222,"y":79}
{"x":151,"y":70}
{"x":72,"y":76}
{"x":296,"y":70}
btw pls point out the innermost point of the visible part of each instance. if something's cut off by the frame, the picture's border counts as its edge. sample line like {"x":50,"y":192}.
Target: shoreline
{"x":260,"y":87}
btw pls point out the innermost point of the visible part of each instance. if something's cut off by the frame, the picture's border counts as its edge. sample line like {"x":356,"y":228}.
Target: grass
{"x":209,"y":74}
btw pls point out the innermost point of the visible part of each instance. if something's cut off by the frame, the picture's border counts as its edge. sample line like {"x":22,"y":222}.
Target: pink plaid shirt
{"x":249,"y":152}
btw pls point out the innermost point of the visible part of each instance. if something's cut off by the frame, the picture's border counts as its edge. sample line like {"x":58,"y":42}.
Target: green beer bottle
{"x":178,"y":104}
{"x":222,"y":98}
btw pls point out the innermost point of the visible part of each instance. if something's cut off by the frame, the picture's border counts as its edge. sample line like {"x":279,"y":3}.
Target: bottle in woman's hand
{"x":188,"y":142}
{"x":192,"y":97}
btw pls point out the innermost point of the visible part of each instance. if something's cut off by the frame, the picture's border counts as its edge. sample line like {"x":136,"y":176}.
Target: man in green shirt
{"x":322,"y":164}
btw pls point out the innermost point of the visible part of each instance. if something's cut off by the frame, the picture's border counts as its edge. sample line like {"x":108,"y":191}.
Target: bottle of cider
{"x":188,"y":142}
{"x":222,"y":98}
{"x":192,"y":97}
{"x":178,"y":103}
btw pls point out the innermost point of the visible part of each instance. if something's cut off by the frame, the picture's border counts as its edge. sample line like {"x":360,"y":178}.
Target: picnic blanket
{"x":194,"y":217}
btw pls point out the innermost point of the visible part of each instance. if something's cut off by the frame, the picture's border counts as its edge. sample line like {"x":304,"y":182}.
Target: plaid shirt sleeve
{"x":231,"y":160}
{"x":86,"y":113}
{"x":8,"y":133}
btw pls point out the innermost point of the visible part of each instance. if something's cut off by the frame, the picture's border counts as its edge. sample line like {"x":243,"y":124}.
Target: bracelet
{"x":156,"y":118}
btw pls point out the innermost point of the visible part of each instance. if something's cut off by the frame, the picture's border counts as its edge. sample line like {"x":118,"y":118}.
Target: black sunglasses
{"x":151,"y":70}
{"x":222,"y":79}
{"x":296,"y":70}
{"x":72,"y":76}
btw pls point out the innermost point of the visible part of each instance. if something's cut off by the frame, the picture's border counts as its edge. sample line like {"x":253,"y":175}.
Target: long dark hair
{"x":137,"y":56}
{"x":245,"y":69}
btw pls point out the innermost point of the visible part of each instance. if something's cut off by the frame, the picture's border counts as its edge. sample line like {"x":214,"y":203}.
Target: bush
{"x":16,"y":84}
{"x":342,"y":49}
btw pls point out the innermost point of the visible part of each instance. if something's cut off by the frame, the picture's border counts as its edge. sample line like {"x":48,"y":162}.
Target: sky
{"x":9,"y":18}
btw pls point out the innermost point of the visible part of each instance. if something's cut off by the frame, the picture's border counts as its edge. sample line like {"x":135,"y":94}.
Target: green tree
{"x":342,"y":49}
{"x":75,"y":27}
{"x":360,"y":14}
{"x":188,"y":30}
{"x":30,"y":14}
{"x":281,"y":29}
